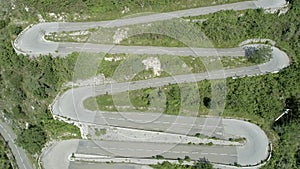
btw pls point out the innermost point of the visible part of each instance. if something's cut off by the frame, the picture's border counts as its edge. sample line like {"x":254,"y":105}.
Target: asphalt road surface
{"x":250,"y":153}
{"x":31,"y":40}
{"x":70,"y":104}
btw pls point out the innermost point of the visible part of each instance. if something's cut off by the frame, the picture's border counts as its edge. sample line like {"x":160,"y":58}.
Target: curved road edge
{"x":260,"y":3}
{"x":58,"y":155}
{"x":35,"y":33}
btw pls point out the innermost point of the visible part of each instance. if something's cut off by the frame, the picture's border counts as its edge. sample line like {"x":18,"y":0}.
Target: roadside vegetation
{"x":261,"y":99}
{"x":167,"y":64}
{"x":146,"y":39}
{"x":27,"y":87}
{"x":152,"y":40}
{"x":88,"y":10}
{"x":169,"y":98}
{"x":197,"y":165}
{"x":7,"y":160}
{"x":258,"y":54}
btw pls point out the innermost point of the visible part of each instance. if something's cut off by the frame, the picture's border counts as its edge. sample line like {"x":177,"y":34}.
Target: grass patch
{"x":110,"y":63}
{"x":114,"y":64}
{"x":103,"y":102}
{"x":68,"y":37}
{"x":240,"y":140}
{"x":141,"y":99}
{"x":99,"y":132}
{"x":166,"y":99}
{"x":234,"y":62}
{"x":150,"y":39}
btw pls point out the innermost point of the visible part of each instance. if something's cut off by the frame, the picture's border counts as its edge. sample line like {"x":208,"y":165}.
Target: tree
{"x":258,"y":54}
{"x":293,"y":103}
{"x":32,"y":139}
{"x":293,"y":114}
{"x":206,"y":102}
{"x":297,"y":156}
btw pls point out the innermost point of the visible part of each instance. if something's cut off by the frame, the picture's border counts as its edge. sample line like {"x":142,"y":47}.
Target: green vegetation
{"x":28,"y":86}
{"x":7,"y":160}
{"x":210,"y":143}
{"x":199,"y":135}
{"x":168,"y":97}
{"x":110,"y":9}
{"x":33,"y":139}
{"x":141,"y":99}
{"x":103,"y":102}
{"x":67,"y":37}
{"x":198,"y":165}
{"x":111,"y":62}
{"x":229,"y":28}
{"x":158,"y":157}
{"x":241,"y":139}
{"x":287,"y":127}
{"x":258,"y":54}
{"x":152,"y":40}
{"x":100,"y":132}
{"x":263,"y":98}
{"x":234,"y":62}
{"x":108,"y":67}
{"x":147,"y":39}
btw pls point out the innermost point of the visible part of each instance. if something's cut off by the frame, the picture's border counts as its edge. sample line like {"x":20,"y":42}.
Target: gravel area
{"x":124,"y":134}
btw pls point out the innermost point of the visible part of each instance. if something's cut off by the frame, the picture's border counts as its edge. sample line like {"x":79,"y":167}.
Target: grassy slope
{"x":111,"y":9}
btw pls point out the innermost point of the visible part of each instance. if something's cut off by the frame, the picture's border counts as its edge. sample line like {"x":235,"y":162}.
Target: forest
{"x":263,"y":98}
{"x":28,"y":86}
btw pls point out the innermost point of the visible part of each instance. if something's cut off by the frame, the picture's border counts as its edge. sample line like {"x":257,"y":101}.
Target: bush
{"x":32,"y":139}
{"x":258,"y":54}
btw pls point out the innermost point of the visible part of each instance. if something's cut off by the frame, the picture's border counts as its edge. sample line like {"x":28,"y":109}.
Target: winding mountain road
{"x":31,"y":41}
{"x":70,"y":104}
